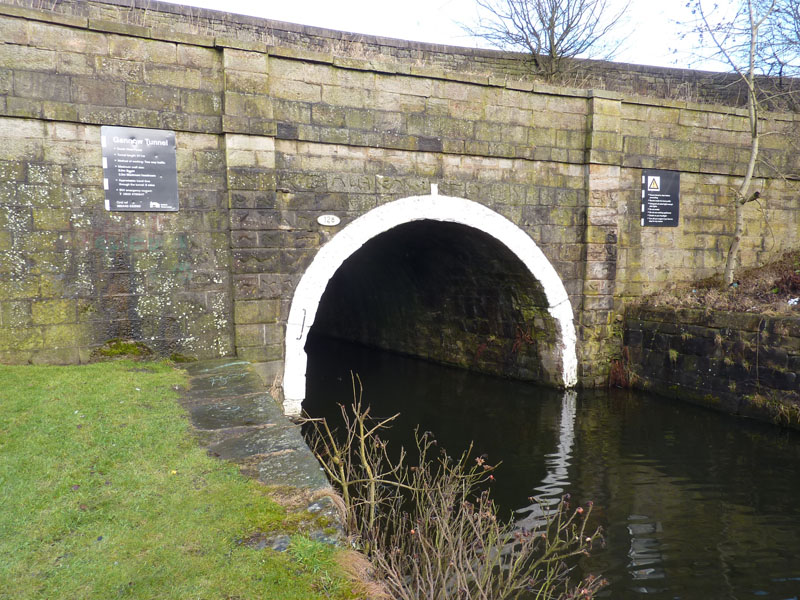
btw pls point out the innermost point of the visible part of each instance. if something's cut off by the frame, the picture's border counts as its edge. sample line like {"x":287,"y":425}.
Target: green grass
{"x":105,"y":494}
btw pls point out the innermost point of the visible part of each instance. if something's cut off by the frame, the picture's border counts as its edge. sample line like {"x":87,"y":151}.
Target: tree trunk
{"x":741,"y":194}
{"x":741,"y":198}
{"x":733,"y":253}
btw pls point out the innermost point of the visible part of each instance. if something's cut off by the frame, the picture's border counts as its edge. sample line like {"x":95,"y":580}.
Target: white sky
{"x":649,"y":24}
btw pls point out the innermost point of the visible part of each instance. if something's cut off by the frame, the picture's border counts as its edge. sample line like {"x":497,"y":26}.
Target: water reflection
{"x":645,"y":550}
{"x":555,"y":483}
{"x":695,"y":505}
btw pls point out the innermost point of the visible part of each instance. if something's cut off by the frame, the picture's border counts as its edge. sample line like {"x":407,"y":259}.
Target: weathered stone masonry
{"x":282,"y":124}
{"x":746,"y":364}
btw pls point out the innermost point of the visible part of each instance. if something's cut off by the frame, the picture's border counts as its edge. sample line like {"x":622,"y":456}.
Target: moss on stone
{"x":116,"y":348}
{"x":50,"y":312}
{"x":177,"y":357}
{"x":67,"y":335}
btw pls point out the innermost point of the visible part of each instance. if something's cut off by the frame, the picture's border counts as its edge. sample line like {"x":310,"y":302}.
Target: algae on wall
{"x":741,"y":363}
{"x":78,"y":275}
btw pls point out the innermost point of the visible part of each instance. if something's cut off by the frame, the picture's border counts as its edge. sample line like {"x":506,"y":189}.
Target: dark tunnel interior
{"x":444,"y":292}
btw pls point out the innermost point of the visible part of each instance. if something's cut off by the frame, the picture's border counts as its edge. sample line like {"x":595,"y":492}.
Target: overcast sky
{"x":649,"y":24}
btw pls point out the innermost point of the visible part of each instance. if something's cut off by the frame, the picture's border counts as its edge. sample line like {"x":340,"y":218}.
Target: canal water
{"x":694,"y":504}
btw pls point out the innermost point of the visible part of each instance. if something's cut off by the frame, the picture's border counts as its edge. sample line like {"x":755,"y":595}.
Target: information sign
{"x":660,"y":198}
{"x":139,"y":169}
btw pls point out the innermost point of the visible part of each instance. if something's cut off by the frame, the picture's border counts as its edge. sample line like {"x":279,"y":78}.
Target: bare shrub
{"x":766,"y":289}
{"x":431,"y":528}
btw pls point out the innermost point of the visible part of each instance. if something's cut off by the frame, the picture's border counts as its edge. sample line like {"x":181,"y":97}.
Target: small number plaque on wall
{"x":139,"y":169}
{"x":328,"y":220}
{"x":660,"y":198}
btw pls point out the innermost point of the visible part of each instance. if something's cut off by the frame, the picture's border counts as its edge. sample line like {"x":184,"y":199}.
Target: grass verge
{"x":105,"y":494}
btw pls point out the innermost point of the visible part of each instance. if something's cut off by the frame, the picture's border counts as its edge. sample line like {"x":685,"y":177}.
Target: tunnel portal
{"x":439,"y":277}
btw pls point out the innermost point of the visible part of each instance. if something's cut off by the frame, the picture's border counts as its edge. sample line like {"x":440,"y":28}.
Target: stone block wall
{"x":710,"y":149}
{"x":75,"y":276}
{"x":60,"y":69}
{"x":740,"y":363}
{"x":279,"y":124}
{"x":483,"y":65}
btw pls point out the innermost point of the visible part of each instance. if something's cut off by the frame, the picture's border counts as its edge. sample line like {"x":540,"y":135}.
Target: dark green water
{"x":694,"y":504}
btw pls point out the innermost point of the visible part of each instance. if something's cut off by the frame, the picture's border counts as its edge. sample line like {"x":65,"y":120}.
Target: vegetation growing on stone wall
{"x":429,"y":525}
{"x":117,"y":348}
{"x":177,"y":357}
{"x":770,"y":289}
{"x":782,"y":410}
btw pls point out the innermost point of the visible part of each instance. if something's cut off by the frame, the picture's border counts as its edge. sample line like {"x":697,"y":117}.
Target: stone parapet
{"x":160,"y":20}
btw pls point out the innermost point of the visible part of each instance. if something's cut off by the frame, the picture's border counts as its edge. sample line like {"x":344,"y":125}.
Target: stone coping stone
{"x":253,"y":409}
{"x":223,"y":385}
{"x":237,"y":420}
{"x":202,"y":368}
{"x":261,"y":441}
{"x":292,"y":468}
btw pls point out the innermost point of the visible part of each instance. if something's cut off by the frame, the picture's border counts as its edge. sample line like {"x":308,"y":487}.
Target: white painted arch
{"x":433,"y":207}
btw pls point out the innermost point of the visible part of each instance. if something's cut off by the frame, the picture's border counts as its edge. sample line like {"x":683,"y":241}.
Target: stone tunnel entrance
{"x":439,"y":278}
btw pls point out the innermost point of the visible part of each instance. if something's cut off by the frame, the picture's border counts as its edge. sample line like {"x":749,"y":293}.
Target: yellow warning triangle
{"x":654,"y":183}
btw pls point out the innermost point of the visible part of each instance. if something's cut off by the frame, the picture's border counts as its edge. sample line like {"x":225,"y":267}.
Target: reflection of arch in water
{"x":555,"y":482}
{"x":646,"y":558}
{"x":330,"y":257}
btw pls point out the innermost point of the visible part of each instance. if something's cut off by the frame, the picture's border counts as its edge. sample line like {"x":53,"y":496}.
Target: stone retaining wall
{"x":741,"y":363}
{"x":277,"y":125}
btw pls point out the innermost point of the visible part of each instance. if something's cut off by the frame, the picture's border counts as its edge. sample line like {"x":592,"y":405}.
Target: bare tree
{"x":732,"y":34}
{"x":550,"y":30}
{"x":780,"y":54}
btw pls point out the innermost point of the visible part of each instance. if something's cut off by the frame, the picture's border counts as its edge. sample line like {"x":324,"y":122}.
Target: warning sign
{"x":660,"y":198}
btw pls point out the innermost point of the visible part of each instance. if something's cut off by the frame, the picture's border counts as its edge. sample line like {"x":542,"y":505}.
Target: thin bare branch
{"x":431,"y":529}
{"x":550,"y":30}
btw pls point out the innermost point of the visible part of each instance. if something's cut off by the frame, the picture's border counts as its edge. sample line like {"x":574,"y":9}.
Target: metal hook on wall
{"x":302,"y":325}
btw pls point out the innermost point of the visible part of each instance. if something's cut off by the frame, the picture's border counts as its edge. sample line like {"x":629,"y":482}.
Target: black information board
{"x":139,"y":169}
{"x":661,"y":192}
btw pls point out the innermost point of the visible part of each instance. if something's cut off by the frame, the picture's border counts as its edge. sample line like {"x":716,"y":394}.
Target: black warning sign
{"x":660,"y":198}
{"x":139,"y":169}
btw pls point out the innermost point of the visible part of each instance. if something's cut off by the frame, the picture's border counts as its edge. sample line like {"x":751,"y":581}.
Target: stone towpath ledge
{"x":237,"y":420}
